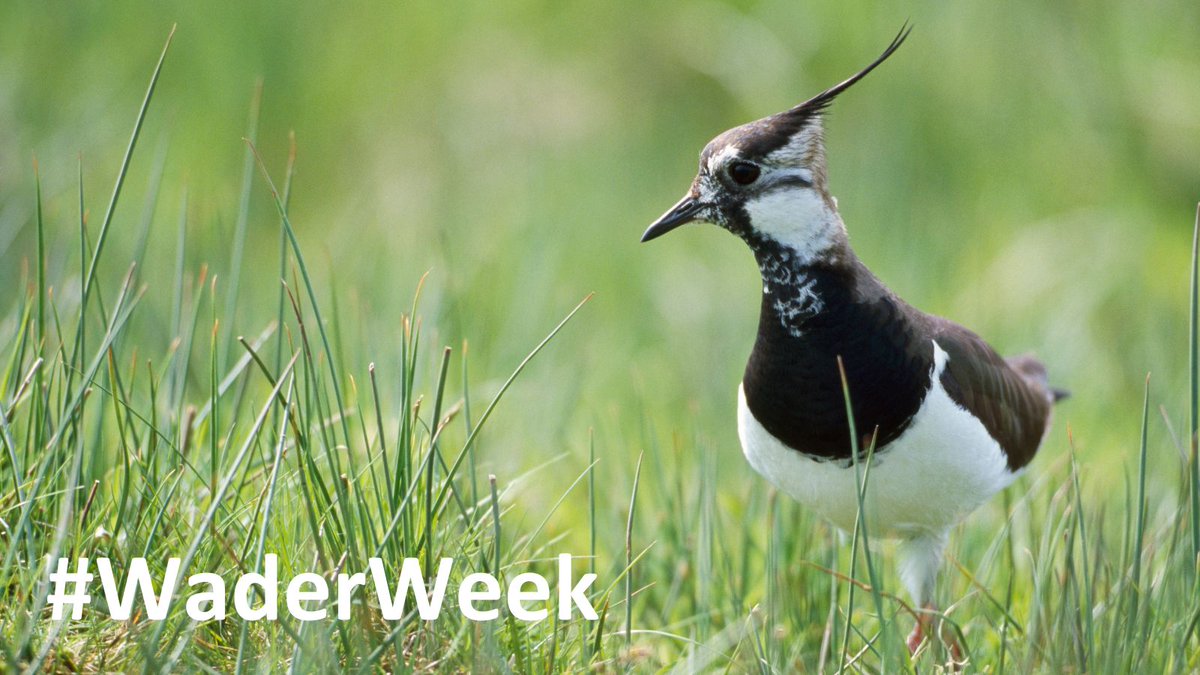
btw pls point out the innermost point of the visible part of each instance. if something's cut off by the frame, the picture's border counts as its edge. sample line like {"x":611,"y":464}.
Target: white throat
{"x":800,"y":219}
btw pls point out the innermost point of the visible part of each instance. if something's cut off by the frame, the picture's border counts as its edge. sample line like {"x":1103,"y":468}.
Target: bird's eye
{"x":743,"y":173}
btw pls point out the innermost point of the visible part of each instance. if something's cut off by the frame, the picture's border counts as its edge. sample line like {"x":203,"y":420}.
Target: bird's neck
{"x":800,"y":284}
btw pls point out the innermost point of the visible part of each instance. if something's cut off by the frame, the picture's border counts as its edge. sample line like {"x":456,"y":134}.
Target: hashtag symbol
{"x":62,"y":578}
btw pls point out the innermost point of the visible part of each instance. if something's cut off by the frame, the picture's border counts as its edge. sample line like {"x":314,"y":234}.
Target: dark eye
{"x":743,"y":173}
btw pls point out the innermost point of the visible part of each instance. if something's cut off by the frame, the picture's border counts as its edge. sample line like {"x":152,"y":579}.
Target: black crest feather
{"x":818,"y":103}
{"x":761,"y":137}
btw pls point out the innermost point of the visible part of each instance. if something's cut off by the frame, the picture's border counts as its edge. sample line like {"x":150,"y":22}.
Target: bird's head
{"x":765,"y":181}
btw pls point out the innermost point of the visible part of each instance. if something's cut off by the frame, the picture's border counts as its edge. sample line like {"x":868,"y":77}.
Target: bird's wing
{"x":1013,"y":406}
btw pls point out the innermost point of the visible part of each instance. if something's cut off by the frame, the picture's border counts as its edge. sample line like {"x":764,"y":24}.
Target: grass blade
{"x":1194,"y":386}
{"x":102,"y":236}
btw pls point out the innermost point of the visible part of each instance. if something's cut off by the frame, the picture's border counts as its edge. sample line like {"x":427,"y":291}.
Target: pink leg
{"x":917,"y":636}
{"x":925,"y":620}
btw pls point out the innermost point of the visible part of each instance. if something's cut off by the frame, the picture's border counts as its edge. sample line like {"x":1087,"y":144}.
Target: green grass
{"x":137,"y":421}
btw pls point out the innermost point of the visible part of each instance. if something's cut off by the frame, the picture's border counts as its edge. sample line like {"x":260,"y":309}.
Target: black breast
{"x":792,"y":384}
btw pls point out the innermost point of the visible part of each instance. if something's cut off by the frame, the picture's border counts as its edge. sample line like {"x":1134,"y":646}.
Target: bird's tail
{"x":1034,"y":371}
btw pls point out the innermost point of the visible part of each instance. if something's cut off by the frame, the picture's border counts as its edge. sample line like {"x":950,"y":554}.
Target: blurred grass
{"x":1027,"y":170}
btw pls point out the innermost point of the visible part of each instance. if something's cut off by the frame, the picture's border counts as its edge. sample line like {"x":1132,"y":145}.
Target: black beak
{"x":682,"y":213}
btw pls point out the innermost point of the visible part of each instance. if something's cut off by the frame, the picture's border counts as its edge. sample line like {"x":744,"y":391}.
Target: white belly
{"x":940,"y":469}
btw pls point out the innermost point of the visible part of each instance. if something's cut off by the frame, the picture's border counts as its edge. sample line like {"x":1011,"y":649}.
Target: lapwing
{"x":951,"y":421}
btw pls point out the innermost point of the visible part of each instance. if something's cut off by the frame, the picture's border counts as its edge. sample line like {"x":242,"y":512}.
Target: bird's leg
{"x":917,"y":636}
{"x":920,"y":558}
{"x":928,"y":617}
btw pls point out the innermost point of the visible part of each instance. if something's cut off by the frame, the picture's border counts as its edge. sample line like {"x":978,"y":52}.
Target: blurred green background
{"x":1028,"y":169}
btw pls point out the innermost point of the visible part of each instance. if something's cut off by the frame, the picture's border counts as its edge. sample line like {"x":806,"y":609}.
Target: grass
{"x":126,"y":437}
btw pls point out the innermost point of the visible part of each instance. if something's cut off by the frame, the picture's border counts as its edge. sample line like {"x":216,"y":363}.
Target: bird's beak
{"x":687,"y":210}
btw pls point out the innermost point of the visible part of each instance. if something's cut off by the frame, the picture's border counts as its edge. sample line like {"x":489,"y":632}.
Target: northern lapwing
{"x":950,"y":420}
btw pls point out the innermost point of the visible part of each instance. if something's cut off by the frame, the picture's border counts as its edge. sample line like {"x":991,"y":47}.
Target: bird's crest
{"x":817,"y":104}
{"x":794,"y":136}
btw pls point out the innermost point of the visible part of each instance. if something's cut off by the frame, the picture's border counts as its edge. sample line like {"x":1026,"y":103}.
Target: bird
{"x":944,"y":419}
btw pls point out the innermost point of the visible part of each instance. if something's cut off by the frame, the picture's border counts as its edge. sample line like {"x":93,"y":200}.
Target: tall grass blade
{"x":637,"y":477}
{"x":264,"y":531}
{"x":102,"y":236}
{"x":860,"y":480}
{"x":243,"y":217}
{"x":312,"y":293}
{"x":1140,"y":527}
{"x":1194,"y":386}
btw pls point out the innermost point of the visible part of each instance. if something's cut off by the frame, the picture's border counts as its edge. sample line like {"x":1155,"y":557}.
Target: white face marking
{"x":797,"y":217}
{"x":800,"y":148}
{"x":798,"y":172}
{"x":710,"y":186}
{"x":721,"y":158}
